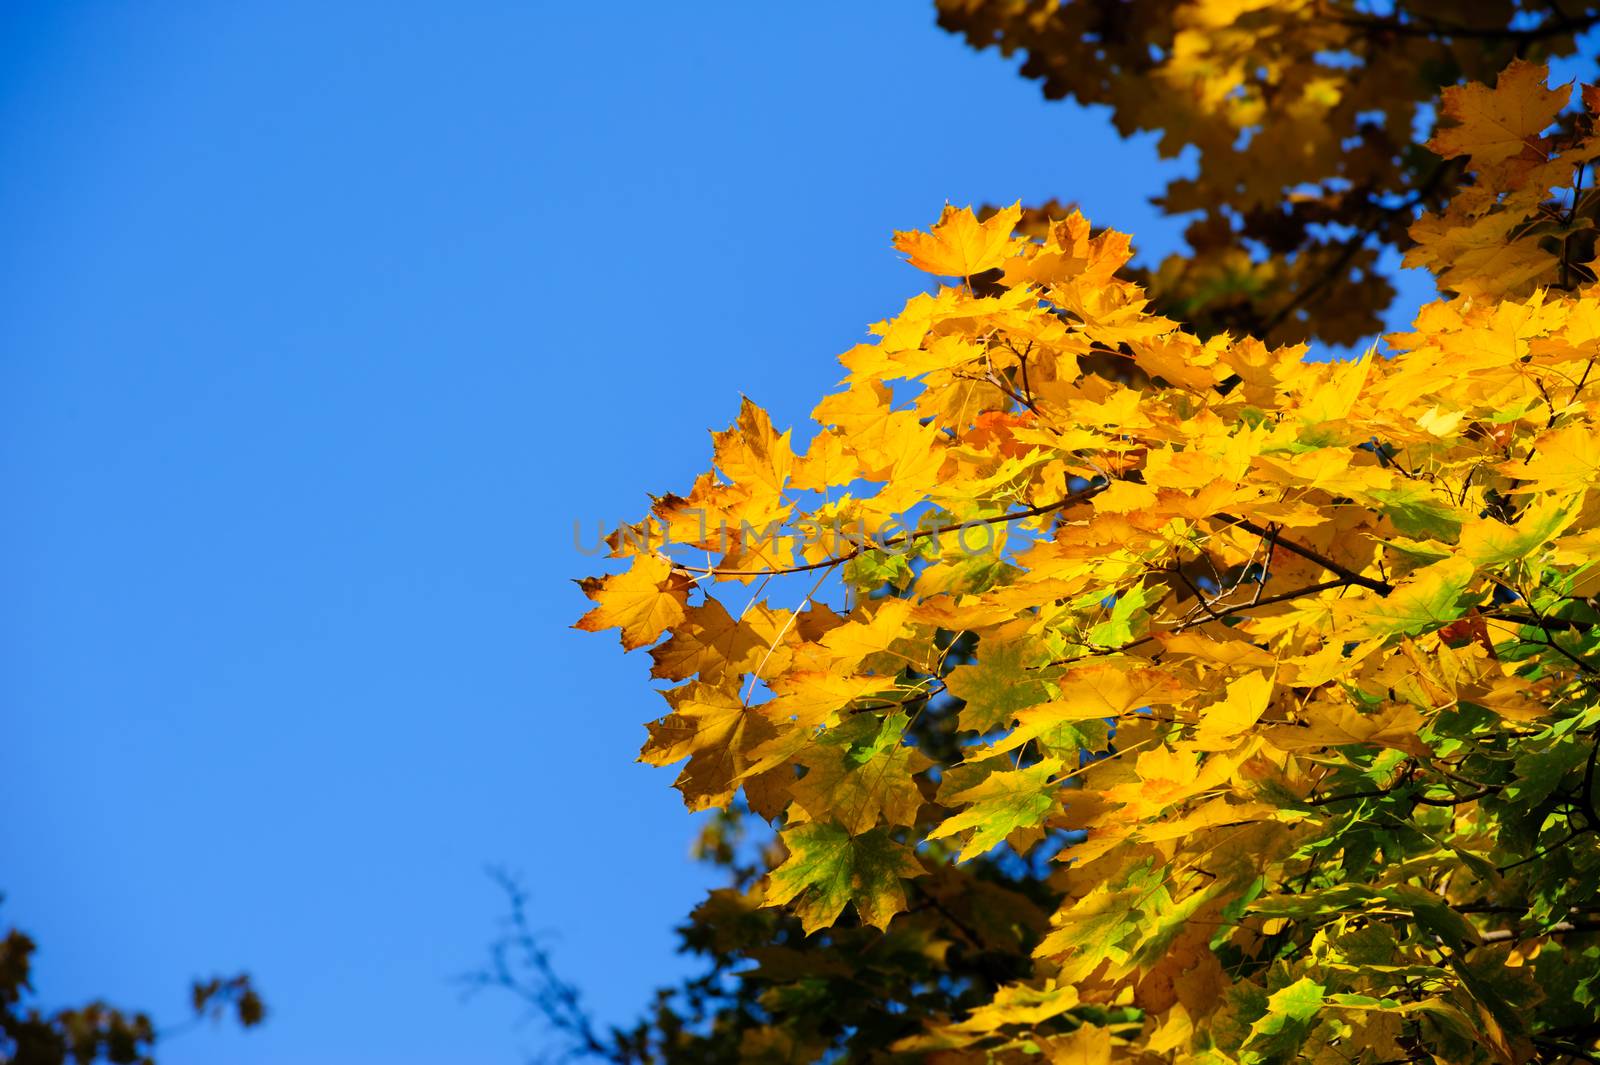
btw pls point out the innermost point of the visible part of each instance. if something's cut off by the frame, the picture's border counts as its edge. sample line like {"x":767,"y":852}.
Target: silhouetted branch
{"x":520,"y":964}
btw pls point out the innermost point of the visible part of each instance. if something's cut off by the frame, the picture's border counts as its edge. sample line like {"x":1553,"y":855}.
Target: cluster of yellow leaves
{"x":1527,"y":220}
{"x":1257,"y":86}
{"x":1194,"y":583}
{"x":1299,"y":117}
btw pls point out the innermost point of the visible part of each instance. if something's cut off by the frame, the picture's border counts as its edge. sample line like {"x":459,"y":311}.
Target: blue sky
{"x":322,"y":325}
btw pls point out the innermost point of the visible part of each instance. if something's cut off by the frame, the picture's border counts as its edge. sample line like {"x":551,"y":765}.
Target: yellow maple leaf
{"x":959,"y":245}
{"x":1169,"y":775}
{"x":1478,"y":256}
{"x":873,"y":628}
{"x":1110,"y":690}
{"x":1211,"y":814}
{"x":1327,"y":723}
{"x":1125,"y":497}
{"x":830,"y":460}
{"x":1088,"y":1045}
{"x":751,"y":453}
{"x":1513,"y":698}
{"x":813,"y":697}
{"x":1221,"y":722}
{"x":1492,"y":125}
{"x":709,"y":642}
{"x":1332,"y":393}
{"x":1334,"y":470}
{"x":1567,"y":460}
{"x":643,"y":602}
{"x":1020,"y":1004}
{"x":712,"y":728}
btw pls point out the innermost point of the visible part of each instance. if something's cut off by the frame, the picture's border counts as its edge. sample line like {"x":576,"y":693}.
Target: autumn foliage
{"x":98,"y":1031}
{"x":1120,"y":692}
{"x":1299,"y":117}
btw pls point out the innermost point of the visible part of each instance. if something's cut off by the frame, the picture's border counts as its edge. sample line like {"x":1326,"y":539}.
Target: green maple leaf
{"x":1099,"y":927}
{"x":1491,"y":543}
{"x":1291,"y":1012}
{"x":1005,"y":679}
{"x":1432,"y":598}
{"x":1128,"y":617}
{"x":1001,"y":804}
{"x":828,"y":868}
{"x":860,"y":774}
{"x":1420,"y":511}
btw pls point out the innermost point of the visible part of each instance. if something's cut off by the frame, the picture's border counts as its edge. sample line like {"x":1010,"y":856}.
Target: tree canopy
{"x":98,"y":1030}
{"x":1121,"y":688}
{"x":1300,"y":116}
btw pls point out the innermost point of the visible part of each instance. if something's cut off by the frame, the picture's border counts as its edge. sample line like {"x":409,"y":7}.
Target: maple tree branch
{"x":1327,"y":800}
{"x":1583,"y":380}
{"x":1550,"y":642}
{"x":1556,"y":26}
{"x":1564,"y":1049}
{"x":1352,"y":246}
{"x":773,"y":646}
{"x":1504,"y":935}
{"x":966,"y":933}
{"x":1199,"y":596}
{"x":1521,"y":907}
{"x":1266,"y":567}
{"x":923,"y":697}
{"x":990,"y":377}
{"x":1387,"y":460}
{"x":1378,"y":793}
{"x":1536,"y":855}
{"x":1546,"y":623}
{"x":808,"y":567}
{"x":1439,"y":768}
{"x":1260,"y":580}
{"x":1375,"y":793}
{"x":1280,"y":597}
{"x":1349,"y":576}
{"x":1025,"y":396}
{"x":867,"y":544}
{"x":1547,"y":627}
{"x":1309,"y":292}
{"x":544,"y":992}
{"x":1459,"y":800}
{"x":1027,"y":388}
{"x":1590,"y":812}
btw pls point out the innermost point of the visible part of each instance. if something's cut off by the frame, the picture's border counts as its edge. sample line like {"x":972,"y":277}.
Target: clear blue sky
{"x":322,"y":324}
